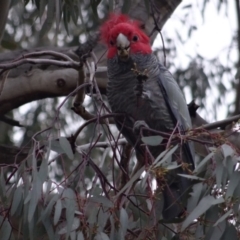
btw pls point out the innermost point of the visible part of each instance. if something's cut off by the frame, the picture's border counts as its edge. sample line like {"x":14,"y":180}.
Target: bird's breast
{"x":121,"y":91}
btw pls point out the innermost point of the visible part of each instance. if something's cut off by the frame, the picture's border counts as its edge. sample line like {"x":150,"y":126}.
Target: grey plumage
{"x":162,"y":107}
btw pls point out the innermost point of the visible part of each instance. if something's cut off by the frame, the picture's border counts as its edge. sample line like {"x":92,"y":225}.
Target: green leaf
{"x":227,"y":150}
{"x":219,"y":173}
{"x":192,"y":177}
{"x":195,"y":195}
{"x":167,"y":157}
{"x":17,"y":197}
{"x":35,"y":195}
{"x":160,"y":156}
{"x":55,"y":146}
{"x":101,"y":236}
{"x":64,"y":143}
{"x":103,"y":200}
{"x":199,"y":232}
{"x":123,"y":221}
{"x":131,"y":181}
{"x":173,"y":166}
{"x":70,"y":203}
{"x":49,"y":20}
{"x":58,"y":14}
{"x":43,"y":171}
{"x":201,"y":208}
{"x":223,"y":217}
{"x":58,"y":211}
{"x":80,"y":236}
{"x":152,"y":140}
{"x":219,"y":230}
{"x":74,"y":12}
{"x":113,"y":229}
{"x":230,"y":165}
{"x":144,"y":180}
{"x":66,"y":17}
{"x":49,"y":228}
{"x":234,"y":181}
{"x":230,"y":233}
{"x":203,"y":162}
{"x":6,"y":229}
{"x":48,"y":210}
{"x":75,"y":225}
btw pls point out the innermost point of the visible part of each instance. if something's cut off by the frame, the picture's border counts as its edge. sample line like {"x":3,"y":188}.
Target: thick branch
{"x":34,"y":85}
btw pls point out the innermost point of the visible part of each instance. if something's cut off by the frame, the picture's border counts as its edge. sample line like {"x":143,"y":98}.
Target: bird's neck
{"x":118,"y":69}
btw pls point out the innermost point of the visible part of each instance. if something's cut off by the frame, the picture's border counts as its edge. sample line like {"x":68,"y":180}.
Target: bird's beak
{"x":123,"y":47}
{"x":123,"y":53}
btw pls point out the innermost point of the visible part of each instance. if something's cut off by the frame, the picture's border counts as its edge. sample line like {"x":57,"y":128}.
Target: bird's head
{"x":124,"y":37}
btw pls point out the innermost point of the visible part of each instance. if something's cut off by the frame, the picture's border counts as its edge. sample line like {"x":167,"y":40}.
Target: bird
{"x":147,"y":95}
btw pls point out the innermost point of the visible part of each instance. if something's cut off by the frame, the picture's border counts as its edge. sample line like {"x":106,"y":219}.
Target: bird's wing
{"x":177,"y":107}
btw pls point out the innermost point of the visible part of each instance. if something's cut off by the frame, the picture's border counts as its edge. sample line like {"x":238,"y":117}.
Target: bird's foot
{"x":142,"y":76}
{"x":138,"y":125}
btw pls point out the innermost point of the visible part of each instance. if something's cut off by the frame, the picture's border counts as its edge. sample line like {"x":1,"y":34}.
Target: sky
{"x":211,"y":39}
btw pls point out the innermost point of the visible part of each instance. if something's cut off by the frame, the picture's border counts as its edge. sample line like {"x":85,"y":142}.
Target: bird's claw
{"x":141,"y":75}
{"x":138,"y":125}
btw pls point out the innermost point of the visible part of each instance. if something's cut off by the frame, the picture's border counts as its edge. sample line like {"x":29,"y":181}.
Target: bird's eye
{"x":111,"y":42}
{"x":135,"y":38}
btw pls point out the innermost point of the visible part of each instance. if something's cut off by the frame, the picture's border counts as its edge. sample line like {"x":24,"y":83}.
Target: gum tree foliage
{"x":68,"y":174}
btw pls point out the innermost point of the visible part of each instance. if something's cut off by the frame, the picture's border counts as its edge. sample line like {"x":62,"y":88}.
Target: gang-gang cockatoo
{"x":145,"y":91}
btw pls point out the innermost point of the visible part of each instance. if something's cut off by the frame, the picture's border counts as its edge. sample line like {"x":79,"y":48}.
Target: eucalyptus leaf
{"x":102,"y":200}
{"x":80,"y":236}
{"x":192,"y":177}
{"x":35,"y":195}
{"x":123,"y":221}
{"x":223,"y":217}
{"x":227,"y":150}
{"x":49,"y":19}
{"x":56,"y":147}
{"x":64,"y":143}
{"x":218,"y":231}
{"x":195,"y":195}
{"x":152,"y":140}
{"x":17,"y":197}
{"x":6,"y":229}
{"x":219,"y":173}
{"x":230,"y":233}
{"x":233,"y":182}
{"x":70,"y":201}
{"x":131,"y":181}
{"x":166,"y":158}
{"x":101,"y":236}
{"x":57,"y":212}
{"x":203,"y":162}
{"x":201,"y":208}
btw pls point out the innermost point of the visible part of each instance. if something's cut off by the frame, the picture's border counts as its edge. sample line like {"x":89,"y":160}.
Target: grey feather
{"x":162,"y":107}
